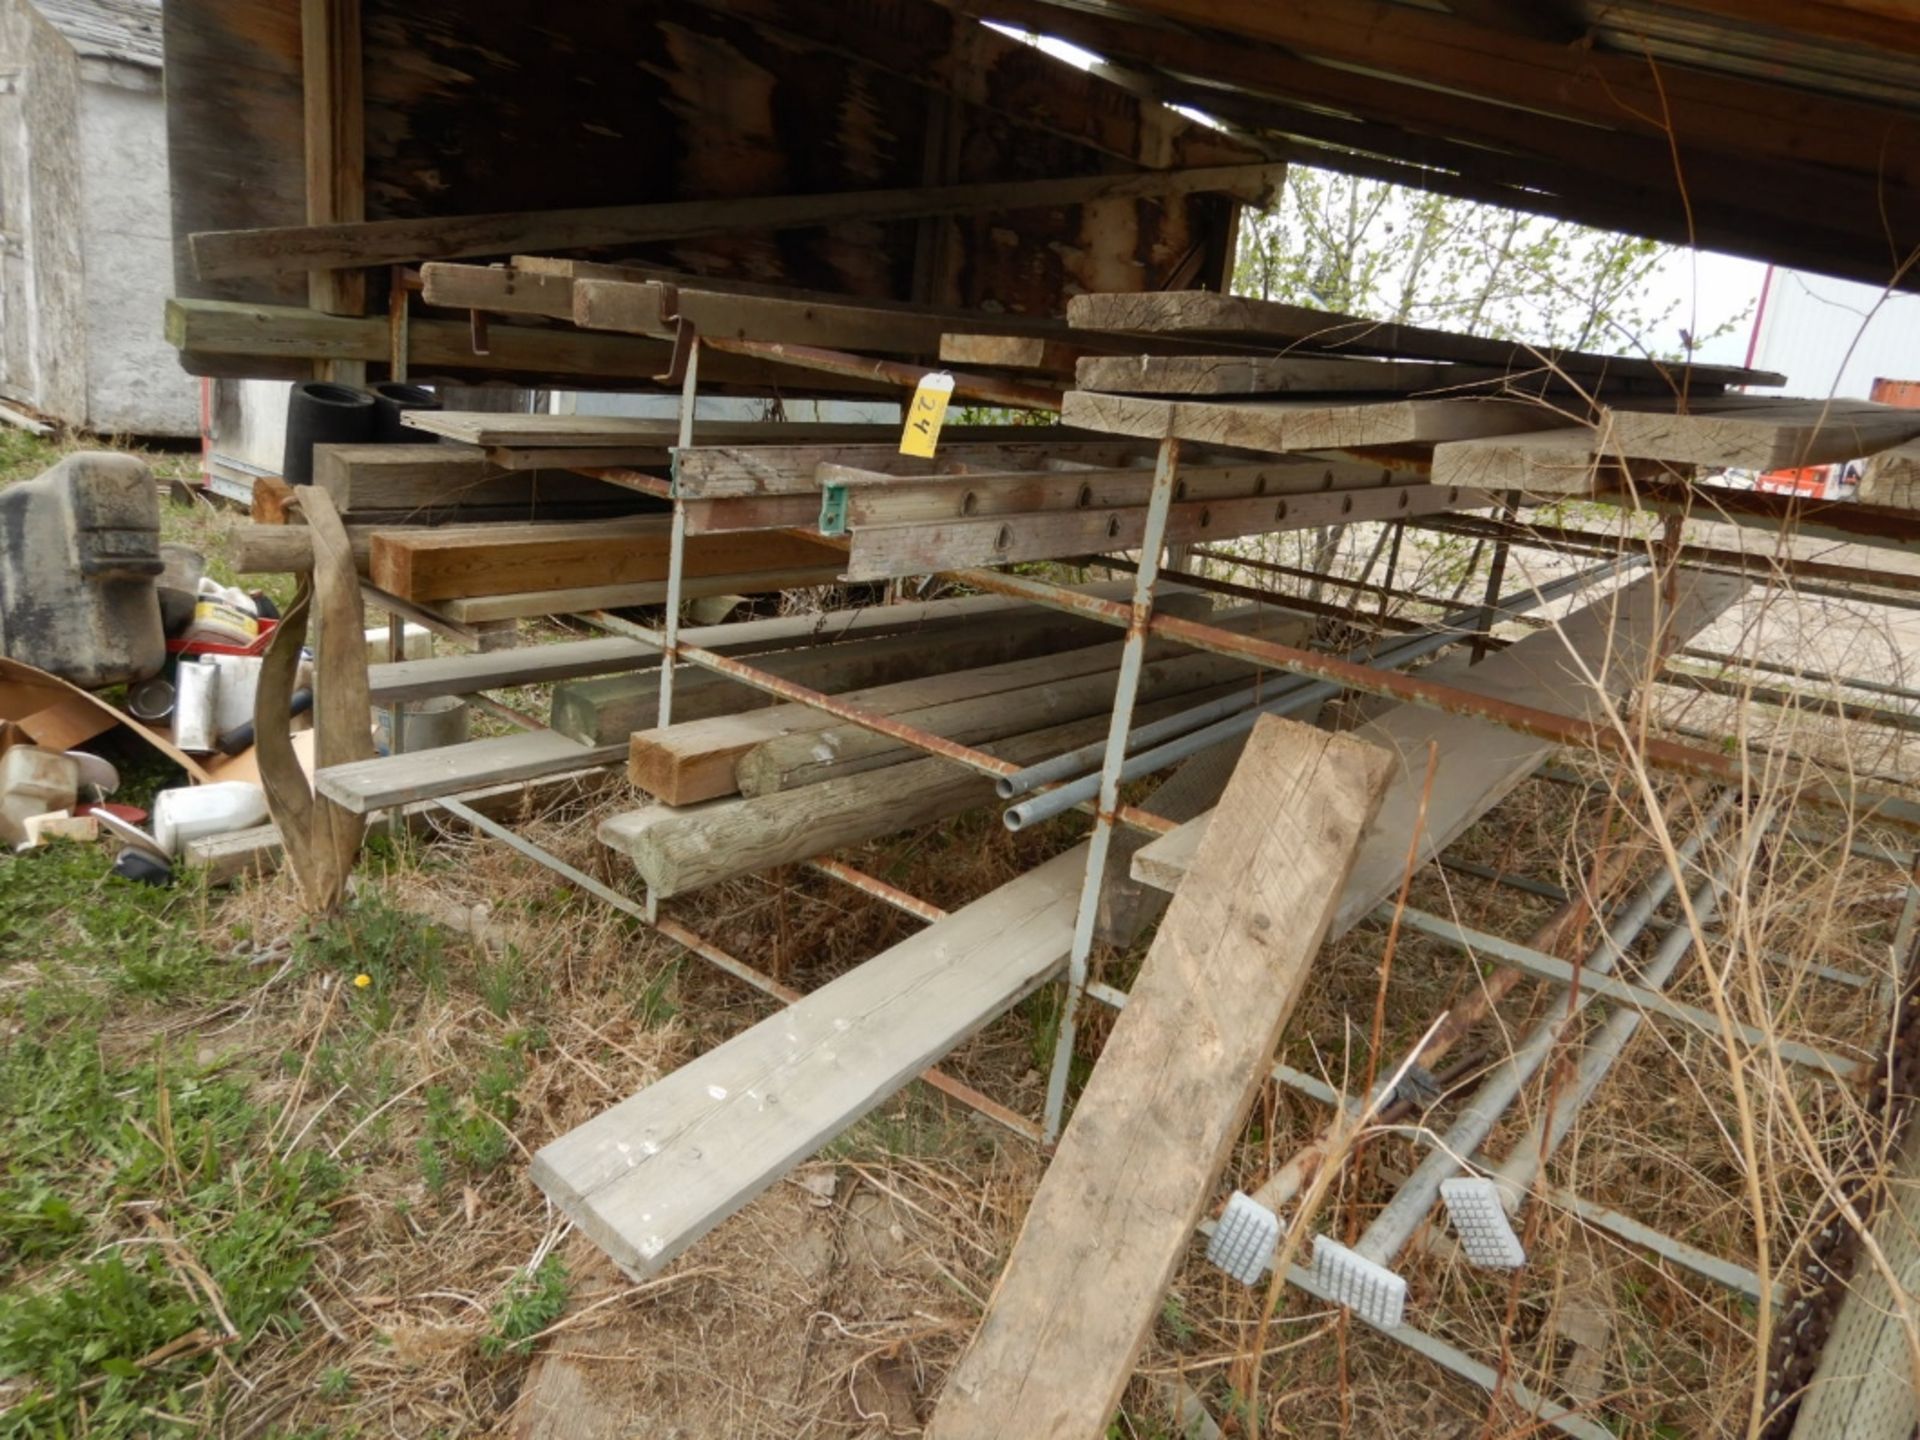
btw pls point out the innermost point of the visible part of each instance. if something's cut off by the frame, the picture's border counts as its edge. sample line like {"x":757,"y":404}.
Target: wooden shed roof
{"x":1786,"y":130}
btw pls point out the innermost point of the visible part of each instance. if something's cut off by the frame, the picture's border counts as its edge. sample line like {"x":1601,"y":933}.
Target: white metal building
{"x":1834,"y":337}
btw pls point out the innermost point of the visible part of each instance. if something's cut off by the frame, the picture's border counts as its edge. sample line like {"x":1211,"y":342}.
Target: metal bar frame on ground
{"x":1137,"y":619}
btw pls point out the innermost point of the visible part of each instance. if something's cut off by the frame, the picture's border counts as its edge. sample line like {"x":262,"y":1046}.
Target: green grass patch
{"x":532,"y":1303}
{"x":144,"y":1207}
{"x":63,"y":908}
{"x":127,"y":1188}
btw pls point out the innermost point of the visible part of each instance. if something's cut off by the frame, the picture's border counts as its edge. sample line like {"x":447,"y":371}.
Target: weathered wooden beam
{"x":812,"y":757}
{"x":489,"y":430}
{"x":224,"y":253}
{"x":1011,"y":352}
{"x":604,"y":712}
{"x":1271,"y":322}
{"x":1283,"y":425}
{"x":1552,"y":463}
{"x":455,"y":562}
{"x":681,"y":764}
{"x":1892,"y":479}
{"x":656,"y":308}
{"x":726,"y":470}
{"x":1271,"y":375}
{"x":1170,"y":1093}
{"x":647,"y":1178}
{"x":854,"y":498}
{"x":681,"y":848}
{"x":497,"y":289}
{"x":442,"y":480}
{"x":334,"y":123}
{"x":901,"y":375}
{"x":1784,"y":435}
{"x":884,"y":551}
{"x":212,"y":329}
{"x":388,"y":780}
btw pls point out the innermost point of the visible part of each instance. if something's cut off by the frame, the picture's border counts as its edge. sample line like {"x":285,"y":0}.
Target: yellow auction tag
{"x":925,"y":414}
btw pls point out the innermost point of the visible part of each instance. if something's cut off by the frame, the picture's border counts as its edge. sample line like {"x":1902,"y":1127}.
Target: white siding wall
{"x":1835,"y":337}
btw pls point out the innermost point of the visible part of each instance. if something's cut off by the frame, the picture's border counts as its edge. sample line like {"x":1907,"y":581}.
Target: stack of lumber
{"x":649,"y":1177}
{"x":592,"y":718}
{"x":1475,"y":413}
{"x":807,"y":783}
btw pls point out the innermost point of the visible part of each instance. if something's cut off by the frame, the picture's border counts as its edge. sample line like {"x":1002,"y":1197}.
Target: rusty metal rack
{"x":1138,"y":621}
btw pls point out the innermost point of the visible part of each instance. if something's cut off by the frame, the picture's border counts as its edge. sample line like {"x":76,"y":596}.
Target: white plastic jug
{"x":196,"y":811}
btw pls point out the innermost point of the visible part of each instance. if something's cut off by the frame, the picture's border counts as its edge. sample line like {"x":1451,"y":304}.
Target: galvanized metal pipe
{"x":677,"y":543}
{"x":1447,"y":631}
{"x":1286,"y":698}
{"x":1548,"y":891}
{"x":1516,"y":1174}
{"x":1126,"y":688}
{"x":1394,"y":1225}
{"x":1642,"y":996}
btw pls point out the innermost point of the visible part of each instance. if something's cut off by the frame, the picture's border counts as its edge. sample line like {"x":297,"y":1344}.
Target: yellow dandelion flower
{"x":363,"y":980}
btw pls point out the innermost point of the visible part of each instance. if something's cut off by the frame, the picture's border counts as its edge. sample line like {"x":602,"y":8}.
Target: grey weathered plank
{"x":605,"y":712}
{"x":491,"y":670}
{"x":718,"y":470}
{"x":1269,"y":375}
{"x":1611,"y":639}
{"x":875,"y":498}
{"x":1547,"y":462}
{"x":1283,"y":425}
{"x":883,"y":551}
{"x":364,"y":785}
{"x":1272,"y":323}
{"x":650,"y":1176}
{"x":1863,"y":1388}
{"x":1780,"y":435}
{"x":681,"y":848}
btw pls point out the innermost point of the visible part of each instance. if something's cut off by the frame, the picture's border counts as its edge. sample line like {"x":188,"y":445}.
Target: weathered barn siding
{"x":511,"y":105}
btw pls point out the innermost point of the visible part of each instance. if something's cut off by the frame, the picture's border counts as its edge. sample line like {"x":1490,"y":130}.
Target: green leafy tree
{"x":1362,"y":247}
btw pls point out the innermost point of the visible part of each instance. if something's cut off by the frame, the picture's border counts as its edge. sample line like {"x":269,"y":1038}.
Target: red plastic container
{"x":204,"y":647}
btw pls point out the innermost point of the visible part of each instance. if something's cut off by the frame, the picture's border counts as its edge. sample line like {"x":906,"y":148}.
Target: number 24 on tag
{"x":926,"y":412}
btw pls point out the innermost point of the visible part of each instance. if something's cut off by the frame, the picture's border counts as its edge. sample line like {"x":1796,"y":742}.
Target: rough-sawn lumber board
{"x":1274,"y":323}
{"x":1282,"y":425}
{"x":451,"y":563}
{"x":1117,"y":1207}
{"x":1783,"y":435}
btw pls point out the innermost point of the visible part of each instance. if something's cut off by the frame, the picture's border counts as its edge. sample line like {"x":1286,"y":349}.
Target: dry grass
{"x":834,"y":1305}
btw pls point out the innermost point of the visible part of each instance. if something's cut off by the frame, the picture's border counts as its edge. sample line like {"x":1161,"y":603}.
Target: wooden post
{"x":336,"y":155}
{"x":1137,"y":1164}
